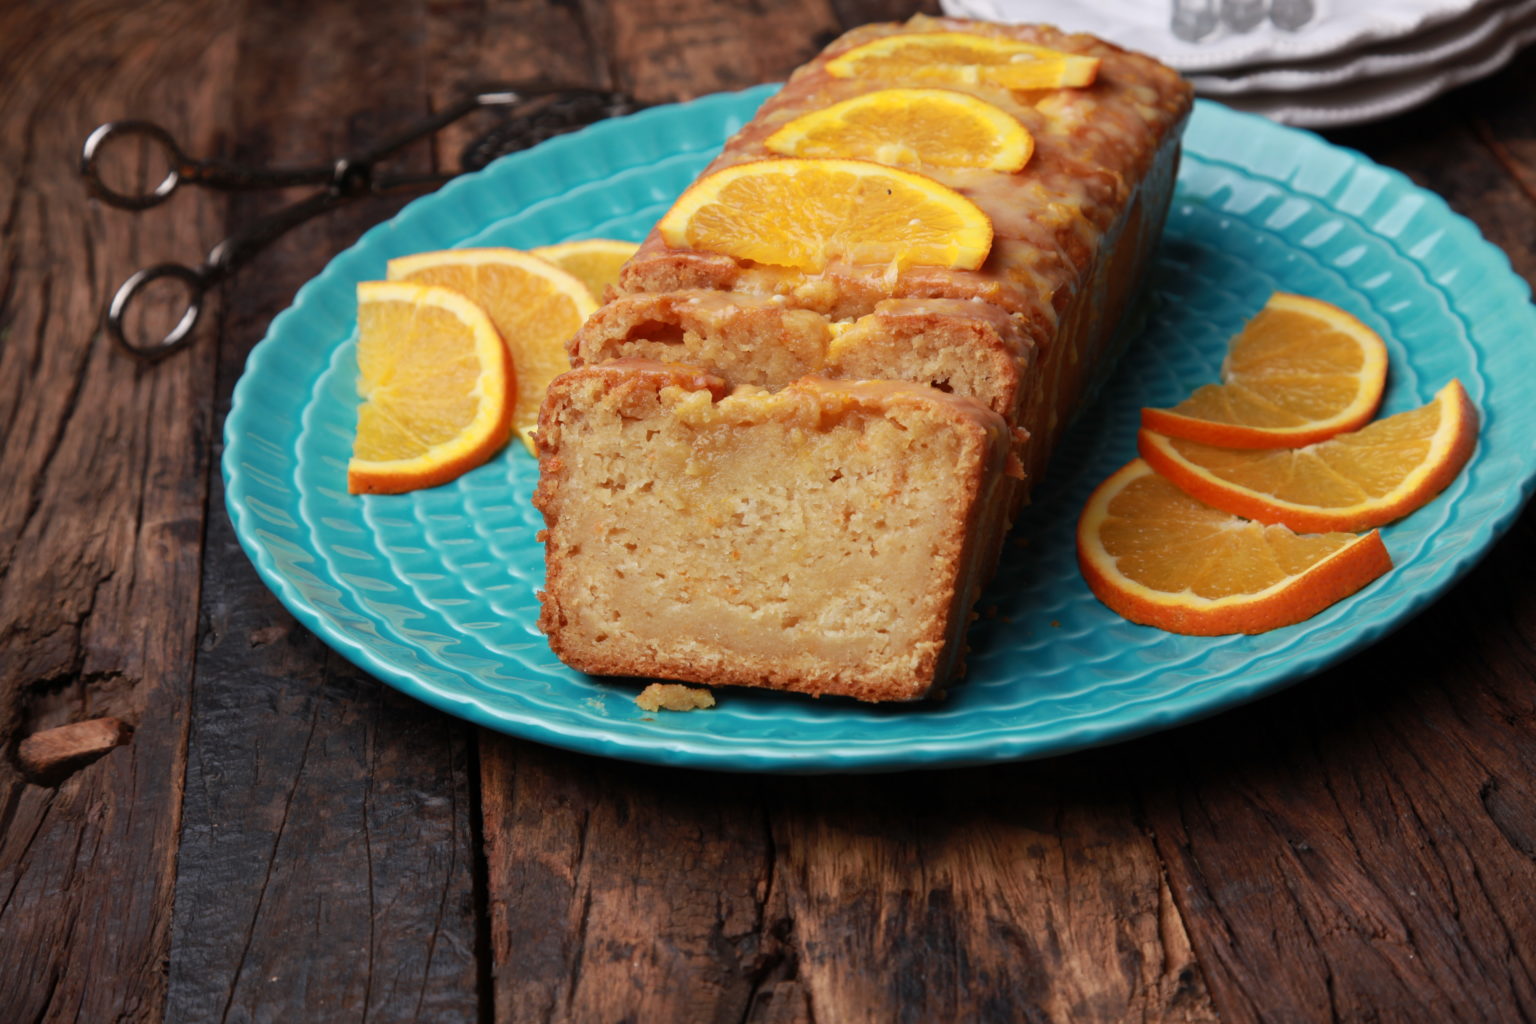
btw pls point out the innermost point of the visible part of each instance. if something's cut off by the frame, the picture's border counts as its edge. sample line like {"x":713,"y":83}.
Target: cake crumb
{"x":674,"y":697}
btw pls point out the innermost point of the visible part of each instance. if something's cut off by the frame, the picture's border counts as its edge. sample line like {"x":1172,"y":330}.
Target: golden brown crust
{"x":750,"y":339}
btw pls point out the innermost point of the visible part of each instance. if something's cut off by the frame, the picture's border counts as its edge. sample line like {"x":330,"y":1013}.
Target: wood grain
{"x":969,"y":895}
{"x":1018,"y":892}
{"x":101,"y":516}
{"x":1362,"y":847}
{"x":663,"y":51}
{"x":471,"y":45}
{"x":620,"y":892}
{"x":327,"y":849}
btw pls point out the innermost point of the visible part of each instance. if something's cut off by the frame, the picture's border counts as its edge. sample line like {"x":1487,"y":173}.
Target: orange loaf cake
{"x":829,"y":537}
{"x":759,"y":513}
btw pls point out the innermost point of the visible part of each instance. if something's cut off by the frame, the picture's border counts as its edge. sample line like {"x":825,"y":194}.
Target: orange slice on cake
{"x":961,"y":58}
{"x":1160,"y":558}
{"x":1301,"y":371}
{"x":908,"y":128}
{"x":1353,"y":481}
{"x":805,"y":214}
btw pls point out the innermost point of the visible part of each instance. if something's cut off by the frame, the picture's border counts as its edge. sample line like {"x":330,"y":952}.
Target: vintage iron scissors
{"x":536,"y":114}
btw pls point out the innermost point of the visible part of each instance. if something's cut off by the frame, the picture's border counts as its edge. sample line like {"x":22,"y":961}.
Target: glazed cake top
{"x":1092,"y":146}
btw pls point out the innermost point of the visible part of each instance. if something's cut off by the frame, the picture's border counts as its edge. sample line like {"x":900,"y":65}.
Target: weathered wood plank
{"x":327,"y":855}
{"x":620,"y":892}
{"x":326,"y":865}
{"x":471,"y":45}
{"x":1361,"y":848}
{"x":102,"y":510}
{"x":665,"y":51}
{"x":1022,"y":892}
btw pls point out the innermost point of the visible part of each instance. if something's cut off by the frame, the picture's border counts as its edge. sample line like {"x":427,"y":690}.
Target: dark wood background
{"x":283,"y":838}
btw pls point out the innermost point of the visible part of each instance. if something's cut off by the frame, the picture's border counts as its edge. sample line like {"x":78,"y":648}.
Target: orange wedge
{"x":596,"y":261}
{"x":1353,"y":481}
{"x":1300,"y":372}
{"x":436,"y":385}
{"x":534,"y":304}
{"x":960,"y":58}
{"x":1159,"y":557}
{"x":908,"y":128}
{"x":808,"y":213}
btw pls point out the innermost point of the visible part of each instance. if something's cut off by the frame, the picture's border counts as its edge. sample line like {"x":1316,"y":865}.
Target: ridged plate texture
{"x":435,"y":592}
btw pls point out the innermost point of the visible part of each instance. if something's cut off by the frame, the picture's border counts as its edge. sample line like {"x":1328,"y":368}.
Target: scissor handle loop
{"x":90,"y":154}
{"x":178,"y":336}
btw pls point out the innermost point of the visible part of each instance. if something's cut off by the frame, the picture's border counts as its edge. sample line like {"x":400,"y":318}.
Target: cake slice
{"x":829,"y":537}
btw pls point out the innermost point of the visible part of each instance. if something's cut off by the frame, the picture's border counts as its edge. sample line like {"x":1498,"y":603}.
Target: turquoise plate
{"x":435,"y":592}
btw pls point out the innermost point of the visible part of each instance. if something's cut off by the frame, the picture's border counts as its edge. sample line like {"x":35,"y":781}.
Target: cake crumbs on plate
{"x":674,"y":697}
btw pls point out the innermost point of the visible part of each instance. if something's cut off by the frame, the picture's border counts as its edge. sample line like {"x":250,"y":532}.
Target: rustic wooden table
{"x":283,"y":838}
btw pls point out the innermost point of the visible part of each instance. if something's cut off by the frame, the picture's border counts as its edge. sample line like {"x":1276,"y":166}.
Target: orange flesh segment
{"x":594,"y":261}
{"x":435,"y":382}
{"x":415,"y":396}
{"x":535,"y":305}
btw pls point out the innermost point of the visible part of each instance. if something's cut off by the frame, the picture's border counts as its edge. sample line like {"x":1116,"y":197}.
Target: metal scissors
{"x":537,"y":113}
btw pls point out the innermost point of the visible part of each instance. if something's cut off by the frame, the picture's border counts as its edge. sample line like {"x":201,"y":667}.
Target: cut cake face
{"x":825,"y":538}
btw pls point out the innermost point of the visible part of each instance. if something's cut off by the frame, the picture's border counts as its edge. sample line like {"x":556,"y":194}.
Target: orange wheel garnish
{"x":595,"y":261}
{"x":960,"y":58}
{"x":808,"y":213}
{"x":1301,"y":371}
{"x":1160,"y":558}
{"x":534,"y":304}
{"x":436,"y":383}
{"x":909,"y":128}
{"x":1352,"y":481}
